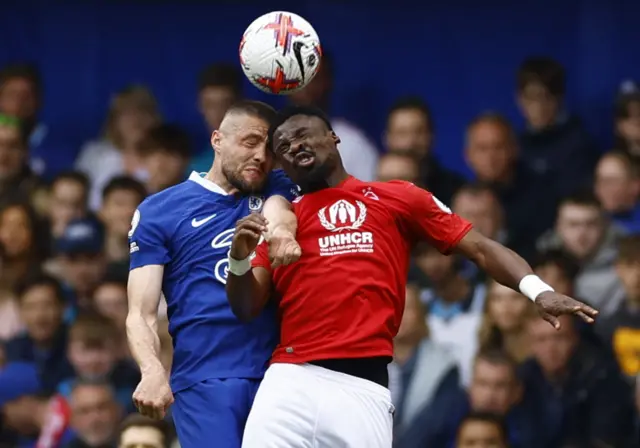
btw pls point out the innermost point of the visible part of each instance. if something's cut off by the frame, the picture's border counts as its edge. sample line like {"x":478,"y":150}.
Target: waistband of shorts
{"x":336,"y":377}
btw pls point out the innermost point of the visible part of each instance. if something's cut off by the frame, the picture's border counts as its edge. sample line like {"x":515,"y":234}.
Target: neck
{"x":453,"y":290}
{"x":216,"y":176}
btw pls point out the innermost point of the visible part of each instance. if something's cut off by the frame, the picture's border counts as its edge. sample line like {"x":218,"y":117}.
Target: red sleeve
{"x":426,"y":218}
{"x":261,"y":260}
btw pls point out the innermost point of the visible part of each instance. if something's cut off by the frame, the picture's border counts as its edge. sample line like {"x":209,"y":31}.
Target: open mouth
{"x":304,"y":159}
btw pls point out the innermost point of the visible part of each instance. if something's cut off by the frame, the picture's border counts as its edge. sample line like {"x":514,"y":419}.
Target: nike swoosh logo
{"x":197,"y":223}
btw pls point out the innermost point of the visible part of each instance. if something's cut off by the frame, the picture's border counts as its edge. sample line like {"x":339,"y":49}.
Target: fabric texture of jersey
{"x":188,"y":228}
{"x":344,"y":298}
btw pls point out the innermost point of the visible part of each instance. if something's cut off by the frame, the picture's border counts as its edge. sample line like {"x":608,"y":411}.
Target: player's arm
{"x":282,"y":226}
{"x":248,"y":288}
{"x":144,"y":289}
{"x":429,"y":218}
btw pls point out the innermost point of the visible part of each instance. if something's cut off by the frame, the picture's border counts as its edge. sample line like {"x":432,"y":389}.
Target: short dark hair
{"x":629,"y":249}
{"x":583,"y":197}
{"x":124,"y":183}
{"x":412,"y":102}
{"x":93,"y":330}
{"x":74,"y":176}
{"x":558,"y":258}
{"x":486,"y":417}
{"x":93,"y":382}
{"x":543,"y":70}
{"x":36,"y":279}
{"x":496,"y":356}
{"x":475,"y":188}
{"x":140,"y":421}
{"x":221,"y":75}
{"x":495,"y":118}
{"x":114,"y":277}
{"x":22,"y":70}
{"x":167,"y":137}
{"x":291,"y":111}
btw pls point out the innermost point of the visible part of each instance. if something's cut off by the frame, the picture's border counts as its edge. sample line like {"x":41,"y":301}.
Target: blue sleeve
{"x":280,"y":184}
{"x":148,"y":243}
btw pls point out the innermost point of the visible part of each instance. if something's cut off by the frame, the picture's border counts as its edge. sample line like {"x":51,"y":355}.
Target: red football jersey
{"x":345,"y":297}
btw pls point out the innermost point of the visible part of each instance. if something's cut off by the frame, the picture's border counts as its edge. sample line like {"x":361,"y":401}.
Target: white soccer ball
{"x":280,"y":52}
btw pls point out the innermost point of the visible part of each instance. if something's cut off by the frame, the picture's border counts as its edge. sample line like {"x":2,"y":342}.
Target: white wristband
{"x":239,"y":267}
{"x":532,"y":286}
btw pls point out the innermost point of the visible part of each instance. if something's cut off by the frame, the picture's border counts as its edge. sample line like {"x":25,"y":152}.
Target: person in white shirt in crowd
{"x":132,"y":113}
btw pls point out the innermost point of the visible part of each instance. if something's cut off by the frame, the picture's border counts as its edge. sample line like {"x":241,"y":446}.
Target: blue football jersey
{"x":188,"y":228}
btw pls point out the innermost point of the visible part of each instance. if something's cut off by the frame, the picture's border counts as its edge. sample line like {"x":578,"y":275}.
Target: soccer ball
{"x":280,"y":52}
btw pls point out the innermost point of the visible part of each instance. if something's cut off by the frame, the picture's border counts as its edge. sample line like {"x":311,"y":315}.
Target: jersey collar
{"x":200,"y":179}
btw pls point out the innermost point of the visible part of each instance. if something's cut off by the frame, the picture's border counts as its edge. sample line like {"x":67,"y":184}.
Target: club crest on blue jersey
{"x":256,"y":203}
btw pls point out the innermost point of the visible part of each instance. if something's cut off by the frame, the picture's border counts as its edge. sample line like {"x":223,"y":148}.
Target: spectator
{"x":394,"y":166}
{"x":359,"y":155}
{"x":81,"y":260}
{"x":585,"y":396}
{"x":454,"y":305}
{"x":495,"y":388}
{"x":424,"y":379}
{"x":410,"y":131}
{"x":68,"y":200}
{"x":120,"y":198}
{"x":481,"y":430}
{"x":138,"y":431}
{"x":584,"y":233}
{"x":166,"y":150}
{"x":110,"y":299}
{"x":219,"y":86}
{"x":41,"y":303}
{"x":21,"y":94}
{"x":554,"y":143}
{"x":132,"y":113}
{"x":17,"y":181}
{"x":503,"y":326}
{"x":26,"y":418}
{"x":622,"y":329}
{"x":95,"y":415}
{"x":93,"y":350}
{"x":617,"y":187}
{"x":627,"y":120}
{"x":22,"y":248}
{"x":492,"y":154}
{"x":478,"y":204}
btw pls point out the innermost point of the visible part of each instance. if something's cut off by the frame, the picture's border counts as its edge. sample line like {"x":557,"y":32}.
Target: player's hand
{"x":153,"y":395}
{"x":247,"y":235}
{"x":551,"y":304}
{"x":283,"y":248}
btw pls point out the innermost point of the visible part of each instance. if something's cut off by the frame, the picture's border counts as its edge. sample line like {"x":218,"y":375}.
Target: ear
{"x":216,"y":138}
{"x":335,"y":138}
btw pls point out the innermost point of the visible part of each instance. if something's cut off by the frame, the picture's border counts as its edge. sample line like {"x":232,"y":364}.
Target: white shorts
{"x":306,"y":406}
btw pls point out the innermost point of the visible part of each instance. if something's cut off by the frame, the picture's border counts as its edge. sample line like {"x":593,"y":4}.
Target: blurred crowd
{"x":474,"y":365}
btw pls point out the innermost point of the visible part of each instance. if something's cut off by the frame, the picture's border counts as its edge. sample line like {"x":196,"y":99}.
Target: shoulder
{"x":166,"y":206}
{"x":278,"y":178}
{"x":278,"y":183}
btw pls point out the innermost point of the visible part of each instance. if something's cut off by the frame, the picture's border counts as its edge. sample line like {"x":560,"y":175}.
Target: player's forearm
{"x":144,"y":342}
{"x":280,"y":216}
{"x":501,"y":263}
{"x":247,"y":296}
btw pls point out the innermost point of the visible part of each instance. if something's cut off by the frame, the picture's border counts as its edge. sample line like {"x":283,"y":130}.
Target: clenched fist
{"x":248,"y":232}
{"x":153,"y":395}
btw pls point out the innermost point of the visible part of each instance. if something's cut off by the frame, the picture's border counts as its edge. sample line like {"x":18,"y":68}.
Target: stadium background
{"x":460,"y":56}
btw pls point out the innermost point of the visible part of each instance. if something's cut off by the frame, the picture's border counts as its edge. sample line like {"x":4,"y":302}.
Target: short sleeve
{"x":261,"y":258}
{"x":280,"y":184}
{"x":427,"y":218}
{"x":148,"y":244}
